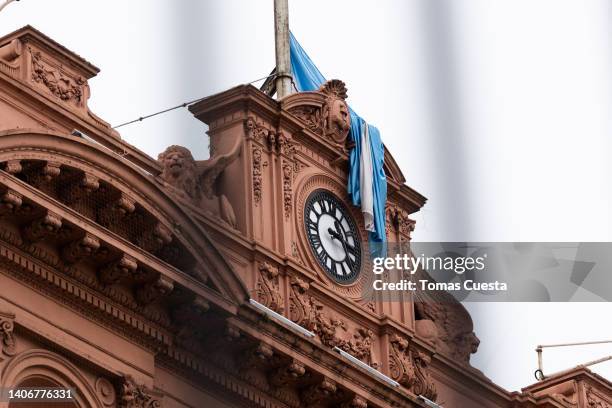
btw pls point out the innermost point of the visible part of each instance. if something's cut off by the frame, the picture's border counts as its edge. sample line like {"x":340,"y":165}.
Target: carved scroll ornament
{"x":410,"y":368}
{"x":8,"y":345}
{"x":268,"y":288}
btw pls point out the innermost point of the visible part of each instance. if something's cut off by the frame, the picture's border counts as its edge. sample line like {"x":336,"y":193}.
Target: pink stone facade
{"x":128,"y":278}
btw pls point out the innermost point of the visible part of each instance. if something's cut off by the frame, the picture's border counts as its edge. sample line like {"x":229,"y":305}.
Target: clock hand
{"x":345,"y":245}
{"x":341,"y":234}
{"x":334,"y":234}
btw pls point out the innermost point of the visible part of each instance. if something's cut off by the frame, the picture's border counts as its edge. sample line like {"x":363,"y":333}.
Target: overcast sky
{"x":497,"y":111}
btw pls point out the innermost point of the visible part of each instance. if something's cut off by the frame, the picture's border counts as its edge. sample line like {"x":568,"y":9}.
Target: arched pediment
{"x":49,"y":369}
{"x":96,"y":198}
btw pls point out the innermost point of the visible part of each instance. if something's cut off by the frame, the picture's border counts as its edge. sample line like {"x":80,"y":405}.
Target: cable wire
{"x":6,"y":3}
{"x":182,"y":105}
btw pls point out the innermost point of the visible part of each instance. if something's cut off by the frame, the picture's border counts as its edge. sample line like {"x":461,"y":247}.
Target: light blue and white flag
{"x":367,"y":185}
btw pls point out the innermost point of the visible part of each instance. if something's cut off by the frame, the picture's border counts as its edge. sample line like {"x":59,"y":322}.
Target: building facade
{"x":129,"y":279}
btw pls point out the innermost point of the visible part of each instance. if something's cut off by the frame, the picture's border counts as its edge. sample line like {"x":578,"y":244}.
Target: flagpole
{"x":283,"y":57}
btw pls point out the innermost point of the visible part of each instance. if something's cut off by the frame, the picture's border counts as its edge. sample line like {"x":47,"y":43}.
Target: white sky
{"x":497,"y":110}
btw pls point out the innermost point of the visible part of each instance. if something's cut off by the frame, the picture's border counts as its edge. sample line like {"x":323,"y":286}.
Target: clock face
{"x":333,"y":236}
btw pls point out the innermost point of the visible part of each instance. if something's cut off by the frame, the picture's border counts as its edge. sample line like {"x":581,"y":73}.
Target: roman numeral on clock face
{"x":333,"y":236}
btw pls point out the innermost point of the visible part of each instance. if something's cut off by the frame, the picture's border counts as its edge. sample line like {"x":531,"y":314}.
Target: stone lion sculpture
{"x":195,"y":180}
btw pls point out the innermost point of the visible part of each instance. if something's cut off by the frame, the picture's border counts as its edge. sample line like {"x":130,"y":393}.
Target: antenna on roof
{"x":6,"y":3}
{"x":539,"y":373}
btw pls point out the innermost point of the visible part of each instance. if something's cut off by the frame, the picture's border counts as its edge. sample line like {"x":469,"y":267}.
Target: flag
{"x":367,"y":184}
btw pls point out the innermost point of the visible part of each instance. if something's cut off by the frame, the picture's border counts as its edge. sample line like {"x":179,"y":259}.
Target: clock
{"x":333,"y":236}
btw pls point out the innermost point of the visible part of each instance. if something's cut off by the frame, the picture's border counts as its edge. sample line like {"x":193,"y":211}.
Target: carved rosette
{"x":410,"y":368}
{"x":134,"y":395}
{"x":8,"y":344}
{"x":268,"y":287}
{"x":106,"y":392}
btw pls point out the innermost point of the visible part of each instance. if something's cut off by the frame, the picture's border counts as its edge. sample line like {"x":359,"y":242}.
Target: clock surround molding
{"x":305,"y":188}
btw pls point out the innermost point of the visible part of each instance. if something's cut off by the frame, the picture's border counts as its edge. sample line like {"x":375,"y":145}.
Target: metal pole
{"x":539,"y":373}
{"x":590,"y":363}
{"x":583,"y":343}
{"x":283,"y":57}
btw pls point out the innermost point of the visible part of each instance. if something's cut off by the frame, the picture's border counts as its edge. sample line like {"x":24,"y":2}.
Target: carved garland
{"x":257,"y":174}
{"x":287,"y":188}
{"x":134,"y":395}
{"x":308,"y":312}
{"x":65,"y":88}
{"x":310,"y":115}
